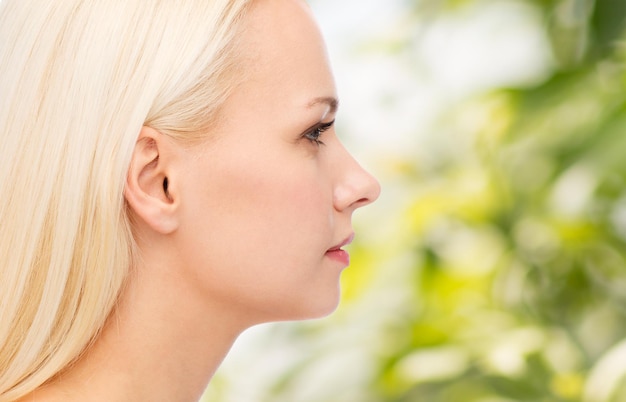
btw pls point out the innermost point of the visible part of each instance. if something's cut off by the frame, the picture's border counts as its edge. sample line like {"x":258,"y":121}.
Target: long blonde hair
{"x":78,"y":80}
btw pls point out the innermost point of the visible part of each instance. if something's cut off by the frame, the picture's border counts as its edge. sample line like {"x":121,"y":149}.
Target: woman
{"x":171,"y":177}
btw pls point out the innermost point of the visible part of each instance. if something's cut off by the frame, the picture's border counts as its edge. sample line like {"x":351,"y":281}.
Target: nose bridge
{"x":354,"y":187}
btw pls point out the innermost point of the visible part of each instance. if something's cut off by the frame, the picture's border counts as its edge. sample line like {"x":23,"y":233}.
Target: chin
{"x":308,"y":305}
{"x":319,"y":308}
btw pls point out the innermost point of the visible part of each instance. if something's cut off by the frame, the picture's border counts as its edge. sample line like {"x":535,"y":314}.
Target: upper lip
{"x":345,"y":242}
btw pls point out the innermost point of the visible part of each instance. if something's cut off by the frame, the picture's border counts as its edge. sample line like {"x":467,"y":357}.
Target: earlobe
{"x":148,"y":189}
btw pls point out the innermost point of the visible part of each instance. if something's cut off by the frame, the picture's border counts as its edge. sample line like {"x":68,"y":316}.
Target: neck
{"x":161,"y":343}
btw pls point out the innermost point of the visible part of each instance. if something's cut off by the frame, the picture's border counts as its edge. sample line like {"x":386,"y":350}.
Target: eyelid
{"x":312,"y":134}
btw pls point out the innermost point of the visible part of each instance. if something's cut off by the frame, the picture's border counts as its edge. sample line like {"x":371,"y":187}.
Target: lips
{"x":337,"y":254}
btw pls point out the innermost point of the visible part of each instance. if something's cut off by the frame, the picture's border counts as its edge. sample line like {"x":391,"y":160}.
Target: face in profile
{"x":266,"y":203}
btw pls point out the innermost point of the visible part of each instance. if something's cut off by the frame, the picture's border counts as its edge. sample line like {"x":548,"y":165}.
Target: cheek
{"x":258,"y":231}
{"x":267,"y":202}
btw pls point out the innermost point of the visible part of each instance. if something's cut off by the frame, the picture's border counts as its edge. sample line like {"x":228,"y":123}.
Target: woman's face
{"x":267,"y":201}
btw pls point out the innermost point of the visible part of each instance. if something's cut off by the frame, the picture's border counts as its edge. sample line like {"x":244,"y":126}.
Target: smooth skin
{"x":242,"y":233}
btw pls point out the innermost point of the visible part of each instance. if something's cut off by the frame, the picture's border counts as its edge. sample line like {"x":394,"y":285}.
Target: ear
{"x":148,"y":188}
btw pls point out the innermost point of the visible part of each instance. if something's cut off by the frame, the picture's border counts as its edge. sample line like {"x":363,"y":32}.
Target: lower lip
{"x":341,"y":256}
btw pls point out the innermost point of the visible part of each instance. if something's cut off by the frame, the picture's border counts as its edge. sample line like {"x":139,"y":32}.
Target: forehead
{"x":287,"y":24}
{"x":283,"y":52}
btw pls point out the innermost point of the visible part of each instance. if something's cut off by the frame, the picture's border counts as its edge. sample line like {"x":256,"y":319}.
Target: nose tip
{"x":375,"y":190}
{"x":359,"y":189}
{"x":371,"y":190}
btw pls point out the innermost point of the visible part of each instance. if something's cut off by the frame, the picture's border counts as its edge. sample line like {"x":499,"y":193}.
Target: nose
{"x":355,"y":186}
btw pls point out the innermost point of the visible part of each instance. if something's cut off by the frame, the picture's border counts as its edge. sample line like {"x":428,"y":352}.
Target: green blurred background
{"x":493,"y":268}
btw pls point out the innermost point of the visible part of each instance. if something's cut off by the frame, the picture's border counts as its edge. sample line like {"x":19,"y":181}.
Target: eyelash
{"x":316,"y":132}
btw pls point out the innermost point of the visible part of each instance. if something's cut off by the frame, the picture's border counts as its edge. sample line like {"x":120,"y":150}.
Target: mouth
{"x":336,"y":253}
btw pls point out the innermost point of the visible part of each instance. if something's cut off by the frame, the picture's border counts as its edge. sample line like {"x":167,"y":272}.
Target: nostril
{"x":363,"y":201}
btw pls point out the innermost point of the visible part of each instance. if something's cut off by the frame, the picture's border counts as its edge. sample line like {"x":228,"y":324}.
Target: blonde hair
{"x":78,"y":80}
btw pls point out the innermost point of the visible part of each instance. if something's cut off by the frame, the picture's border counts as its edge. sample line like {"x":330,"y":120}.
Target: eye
{"x":316,"y":132}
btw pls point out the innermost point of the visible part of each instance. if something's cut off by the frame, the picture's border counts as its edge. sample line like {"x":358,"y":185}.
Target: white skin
{"x":243,"y":232}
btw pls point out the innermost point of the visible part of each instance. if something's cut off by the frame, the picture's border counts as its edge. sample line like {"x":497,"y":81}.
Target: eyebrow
{"x":328,"y":100}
